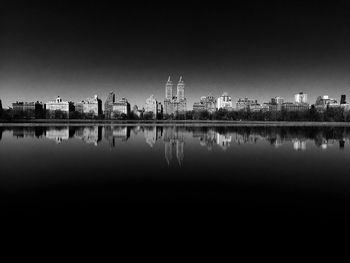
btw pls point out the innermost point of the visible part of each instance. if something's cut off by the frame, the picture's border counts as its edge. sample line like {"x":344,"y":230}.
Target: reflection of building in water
{"x":206,"y":137}
{"x":246,"y":138}
{"x":113,"y":133}
{"x":223,"y":140}
{"x":91,"y":134}
{"x":174,"y":142}
{"x":152,"y":134}
{"x":276,"y":141}
{"x":299,"y":145}
{"x":57,"y":134}
{"x":22,"y":132}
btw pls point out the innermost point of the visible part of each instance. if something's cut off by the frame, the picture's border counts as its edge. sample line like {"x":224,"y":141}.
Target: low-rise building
{"x":198,"y":106}
{"x":289,"y":106}
{"x":28,"y":109}
{"x":258,"y":107}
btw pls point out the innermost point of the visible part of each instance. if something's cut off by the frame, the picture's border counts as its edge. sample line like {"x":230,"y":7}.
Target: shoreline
{"x":45,"y":122}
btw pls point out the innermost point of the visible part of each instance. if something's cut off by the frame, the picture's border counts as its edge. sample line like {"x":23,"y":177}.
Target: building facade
{"x":175,"y":104}
{"x":275,"y":104}
{"x":109,"y":105}
{"x":323,"y":102}
{"x":289,"y":106}
{"x":153,"y":106}
{"x":90,"y":106}
{"x":206,"y":103}
{"x":28,"y":109}
{"x":224,"y":102}
{"x":120,"y":107}
{"x":57,"y":107}
{"x":300,"y":98}
{"x":245,"y":104}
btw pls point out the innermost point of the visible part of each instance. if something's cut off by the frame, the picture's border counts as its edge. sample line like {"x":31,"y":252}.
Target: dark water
{"x":294,"y":171}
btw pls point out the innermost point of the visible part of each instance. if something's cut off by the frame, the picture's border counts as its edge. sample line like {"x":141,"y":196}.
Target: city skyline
{"x":255,"y":50}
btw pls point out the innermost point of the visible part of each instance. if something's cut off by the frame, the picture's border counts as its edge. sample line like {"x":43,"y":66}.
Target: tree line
{"x":327,"y":115}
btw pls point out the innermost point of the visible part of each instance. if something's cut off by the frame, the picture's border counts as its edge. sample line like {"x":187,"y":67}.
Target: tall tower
{"x":109,"y":104}
{"x":342,"y":99}
{"x":169,"y":89}
{"x":180,"y":90}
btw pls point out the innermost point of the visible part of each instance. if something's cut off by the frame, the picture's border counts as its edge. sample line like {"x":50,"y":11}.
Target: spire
{"x":180,"y":79}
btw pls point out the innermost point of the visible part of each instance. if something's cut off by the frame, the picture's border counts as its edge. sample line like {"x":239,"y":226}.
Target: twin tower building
{"x":175,"y":103}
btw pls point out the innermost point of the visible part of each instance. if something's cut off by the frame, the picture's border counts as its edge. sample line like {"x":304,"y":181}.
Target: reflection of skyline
{"x":174,"y":136}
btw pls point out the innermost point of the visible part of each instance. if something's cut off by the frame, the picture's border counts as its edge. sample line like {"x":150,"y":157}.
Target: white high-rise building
{"x":300,"y":98}
{"x":175,"y":104}
{"x":180,"y":90}
{"x":154,"y":106}
{"x":169,"y":89}
{"x":224,"y":101}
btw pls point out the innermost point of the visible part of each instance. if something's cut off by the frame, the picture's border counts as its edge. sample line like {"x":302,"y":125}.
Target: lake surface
{"x":295,"y":171}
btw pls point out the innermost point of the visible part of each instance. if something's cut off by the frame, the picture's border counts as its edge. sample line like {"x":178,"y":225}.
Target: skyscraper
{"x":153,"y":106}
{"x":343,"y":99}
{"x":169,"y":89}
{"x":109,"y":104}
{"x":180,"y":90}
{"x":175,"y":104}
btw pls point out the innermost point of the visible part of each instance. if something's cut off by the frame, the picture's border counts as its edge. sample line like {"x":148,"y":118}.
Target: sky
{"x":248,"y":49}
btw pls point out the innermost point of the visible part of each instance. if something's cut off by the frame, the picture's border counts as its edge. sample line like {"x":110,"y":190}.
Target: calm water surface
{"x":290,"y":170}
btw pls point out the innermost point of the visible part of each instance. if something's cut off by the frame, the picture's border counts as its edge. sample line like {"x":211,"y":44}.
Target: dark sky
{"x":251,"y":49}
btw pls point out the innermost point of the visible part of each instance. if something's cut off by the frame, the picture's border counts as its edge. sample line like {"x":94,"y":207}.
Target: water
{"x":295,"y":171}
